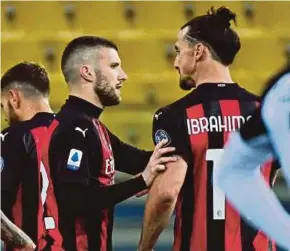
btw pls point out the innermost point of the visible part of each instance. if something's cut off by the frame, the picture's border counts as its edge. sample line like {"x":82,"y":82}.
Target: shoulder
{"x":173,"y":112}
{"x":76,"y":129}
{"x":14,"y":133}
{"x":249,"y":96}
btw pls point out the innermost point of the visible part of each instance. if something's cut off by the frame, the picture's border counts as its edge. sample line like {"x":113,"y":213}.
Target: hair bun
{"x":224,"y":15}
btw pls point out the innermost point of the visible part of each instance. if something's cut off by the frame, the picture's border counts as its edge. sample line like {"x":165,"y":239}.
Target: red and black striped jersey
{"x":83,"y":155}
{"x":198,"y":125}
{"x":26,"y":188}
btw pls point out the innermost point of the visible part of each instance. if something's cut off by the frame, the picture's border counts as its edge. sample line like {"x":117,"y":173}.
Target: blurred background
{"x":145,"y":33}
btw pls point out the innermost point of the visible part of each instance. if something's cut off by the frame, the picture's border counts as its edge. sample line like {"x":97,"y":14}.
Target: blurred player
{"x":26,"y":189}
{"x":265,"y":135}
{"x":14,"y":236}
{"x":83,"y":154}
{"x":198,"y":126}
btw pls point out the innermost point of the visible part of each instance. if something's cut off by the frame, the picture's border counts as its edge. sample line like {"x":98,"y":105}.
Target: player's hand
{"x":157,"y":162}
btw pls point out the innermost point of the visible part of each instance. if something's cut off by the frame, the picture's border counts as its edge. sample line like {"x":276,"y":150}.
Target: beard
{"x":186,"y":83}
{"x":106,"y":93}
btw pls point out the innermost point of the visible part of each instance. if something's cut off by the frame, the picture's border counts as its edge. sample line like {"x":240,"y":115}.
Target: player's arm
{"x":129,"y":159}
{"x":14,"y":236}
{"x":77,"y":182}
{"x":163,"y":194}
{"x":241,"y":179}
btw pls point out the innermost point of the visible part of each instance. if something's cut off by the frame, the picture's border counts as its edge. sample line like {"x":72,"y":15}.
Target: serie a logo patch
{"x":162,"y":135}
{"x":74,"y":159}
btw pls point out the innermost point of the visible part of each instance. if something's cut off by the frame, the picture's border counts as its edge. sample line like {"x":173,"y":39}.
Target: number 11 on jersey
{"x":219,"y":199}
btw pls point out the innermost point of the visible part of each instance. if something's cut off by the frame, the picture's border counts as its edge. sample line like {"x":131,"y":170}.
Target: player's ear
{"x":87,"y":73}
{"x":199,"y":51}
{"x":14,"y":98}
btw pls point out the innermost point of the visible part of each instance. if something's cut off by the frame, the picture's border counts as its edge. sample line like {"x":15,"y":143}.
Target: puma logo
{"x":2,"y":136}
{"x":82,"y":131}
{"x":157,"y":115}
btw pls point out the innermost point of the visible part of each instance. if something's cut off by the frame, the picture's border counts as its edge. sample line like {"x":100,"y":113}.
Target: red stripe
{"x":261,"y":242}
{"x":42,"y":137}
{"x":17,"y":212}
{"x":40,"y":216}
{"x":81,"y":236}
{"x":104,"y":233}
{"x":199,"y":144}
{"x":266,"y":171}
{"x":232,"y":222}
{"x":178,"y":224}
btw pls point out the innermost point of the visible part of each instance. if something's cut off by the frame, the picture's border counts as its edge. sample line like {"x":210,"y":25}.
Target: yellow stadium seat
{"x":145,"y":54}
{"x":151,"y":89}
{"x":253,"y":81}
{"x":273,"y":16}
{"x":45,"y":52}
{"x":158,"y":16}
{"x":260,"y":52}
{"x":58,"y":90}
{"x":39,"y":17}
{"x":131,"y":126}
{"x":99,"y":17}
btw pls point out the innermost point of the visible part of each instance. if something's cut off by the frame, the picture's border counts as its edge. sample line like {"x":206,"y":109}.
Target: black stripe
{"x":247,"y":107}
{"x":247,"y":233}
{"x":187,"y":207}
{"x":215,"y":235}
{"x":93,"y":225}
{"x":67,"y":226}
{"x":30,"y":192}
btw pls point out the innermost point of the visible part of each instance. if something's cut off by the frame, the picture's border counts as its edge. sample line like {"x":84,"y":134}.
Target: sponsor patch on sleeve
{"x":74,"y":159}
{"x":162,"y":135}
{"x":1,"y":164}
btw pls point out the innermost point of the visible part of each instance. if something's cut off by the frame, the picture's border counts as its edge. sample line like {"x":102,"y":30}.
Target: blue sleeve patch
{"x":1,"y":164}
{"x":162,"y":135}
{"x":74,"y":159}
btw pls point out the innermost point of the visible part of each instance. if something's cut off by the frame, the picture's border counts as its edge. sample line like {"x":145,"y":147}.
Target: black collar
{"x":83,"y":106}
{"x":216,"y":85}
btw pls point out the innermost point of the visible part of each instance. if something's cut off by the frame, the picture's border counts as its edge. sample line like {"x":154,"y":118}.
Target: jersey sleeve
{"x":12,"y":161}
{"x":166,"y":125}
{"x":71,"y":156}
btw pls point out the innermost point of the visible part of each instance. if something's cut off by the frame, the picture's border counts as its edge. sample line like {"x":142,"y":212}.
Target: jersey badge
{"x":74,"y":159}
{"x":1,"y":164}
{"x":162,"y":135}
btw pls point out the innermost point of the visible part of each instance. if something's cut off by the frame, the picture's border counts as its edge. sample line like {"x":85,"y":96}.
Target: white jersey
{"x":265,"y":135}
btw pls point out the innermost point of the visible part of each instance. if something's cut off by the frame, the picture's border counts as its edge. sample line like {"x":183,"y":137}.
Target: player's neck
{"x":34,"y":107}
{"x":214,"y":73}
{"x":90,"y":97}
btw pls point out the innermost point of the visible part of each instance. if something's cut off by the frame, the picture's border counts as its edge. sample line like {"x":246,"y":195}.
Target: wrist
{"x":146,"y":177}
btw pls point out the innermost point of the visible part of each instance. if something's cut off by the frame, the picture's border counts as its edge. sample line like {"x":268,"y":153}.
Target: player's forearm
{"x":156,"y":217}
{"x":112,"y":195}
{"x":14,"y":236}
{"x":74,"y":195}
